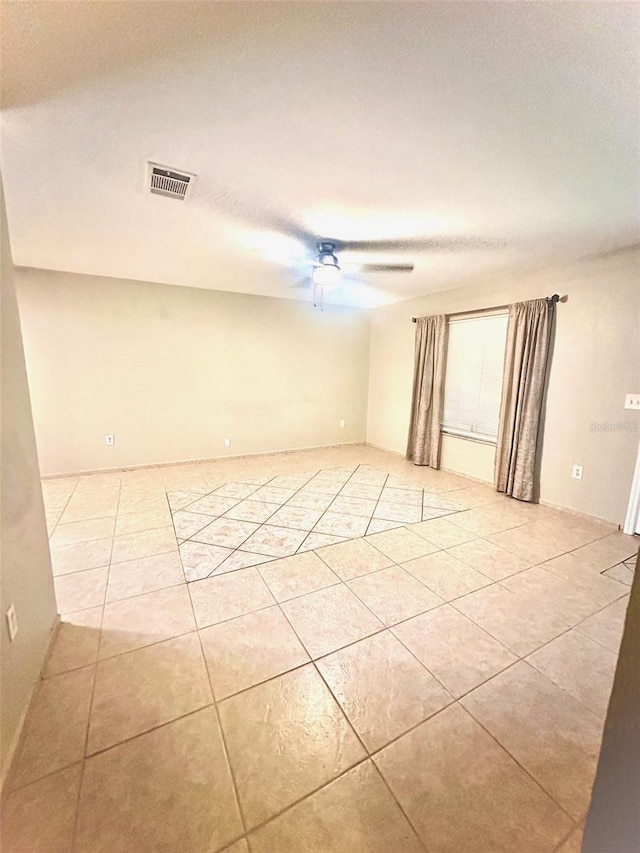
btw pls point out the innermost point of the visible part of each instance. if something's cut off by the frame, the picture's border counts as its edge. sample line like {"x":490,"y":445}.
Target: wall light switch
{"x":227,"y":442}
{"x":109,"y":440}
{"x":341,"y":424}
{"x":12,"y":622}
{"x":576,"y":472}
{"x":632,"y":401}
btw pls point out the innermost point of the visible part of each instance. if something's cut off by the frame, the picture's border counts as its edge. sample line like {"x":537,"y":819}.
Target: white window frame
{"x":478,"y":437}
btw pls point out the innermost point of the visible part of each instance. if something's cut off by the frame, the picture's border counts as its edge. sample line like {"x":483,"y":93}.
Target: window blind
{"x":473,"y":382}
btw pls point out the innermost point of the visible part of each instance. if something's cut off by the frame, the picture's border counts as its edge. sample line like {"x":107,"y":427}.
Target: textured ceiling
{"x":511,"y":122}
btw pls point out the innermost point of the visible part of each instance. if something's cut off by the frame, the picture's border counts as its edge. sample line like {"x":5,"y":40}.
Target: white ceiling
{"x":516,"y":122}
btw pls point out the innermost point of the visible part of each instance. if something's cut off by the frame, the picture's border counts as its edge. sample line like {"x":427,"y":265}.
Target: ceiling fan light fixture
{"x":326,"y":271}
{"x":326,"y":274}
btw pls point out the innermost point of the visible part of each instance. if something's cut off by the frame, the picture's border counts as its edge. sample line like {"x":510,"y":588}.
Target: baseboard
{"x":6,"y":769}
{"x":448,"y":470}
{"x":573,"y":512}
{"x":578,"y":514}
{"x":200,"y":461}
{"x":385,"y":449}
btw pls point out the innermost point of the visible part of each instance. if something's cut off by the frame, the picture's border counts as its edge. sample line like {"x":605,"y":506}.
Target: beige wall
{"x":172,"y":371}
{"x":25,"y":567}
{"x":596,"y":361}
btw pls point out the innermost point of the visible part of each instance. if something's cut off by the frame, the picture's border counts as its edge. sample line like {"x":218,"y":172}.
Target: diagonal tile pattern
{"x":323,"y":650}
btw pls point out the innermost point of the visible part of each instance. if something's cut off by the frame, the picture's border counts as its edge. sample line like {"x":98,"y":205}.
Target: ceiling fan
{"x":326,"y":272}
{"x":319,"y":265}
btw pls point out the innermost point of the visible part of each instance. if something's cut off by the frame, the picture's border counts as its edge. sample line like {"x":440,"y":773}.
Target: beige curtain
{"x":423,"y":445}
{"x":525,"y":367}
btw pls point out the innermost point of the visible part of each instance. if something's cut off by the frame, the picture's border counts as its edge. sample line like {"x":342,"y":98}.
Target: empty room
{"x":320,"y":499}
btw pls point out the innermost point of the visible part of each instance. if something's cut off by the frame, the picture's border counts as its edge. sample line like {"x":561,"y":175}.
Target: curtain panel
{"x":423,"y":444}
{"x":525,"y":368}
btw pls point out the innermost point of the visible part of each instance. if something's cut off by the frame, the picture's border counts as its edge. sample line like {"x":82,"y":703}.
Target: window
{"x":473,"y":383}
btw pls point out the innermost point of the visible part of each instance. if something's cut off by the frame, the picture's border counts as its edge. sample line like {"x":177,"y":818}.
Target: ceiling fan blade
{"x":383,"y":267}
{"x":256,"y":215}
{"x":434,"y":244}
{"x":303,"y":283}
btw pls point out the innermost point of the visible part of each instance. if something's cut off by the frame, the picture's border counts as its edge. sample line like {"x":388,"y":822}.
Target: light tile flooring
{"x":320,"y":651}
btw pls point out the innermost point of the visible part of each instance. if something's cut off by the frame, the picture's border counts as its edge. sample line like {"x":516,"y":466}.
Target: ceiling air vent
{"x":164,"y":181}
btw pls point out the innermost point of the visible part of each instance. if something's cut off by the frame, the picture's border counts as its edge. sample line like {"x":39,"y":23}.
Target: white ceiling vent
{"x":165,"y":181}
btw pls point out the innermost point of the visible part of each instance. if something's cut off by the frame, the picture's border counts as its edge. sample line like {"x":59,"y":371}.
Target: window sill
{"x":469,"y":436}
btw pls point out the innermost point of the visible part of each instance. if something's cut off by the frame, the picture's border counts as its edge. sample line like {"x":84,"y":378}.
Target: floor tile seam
{"x":384,"y":554}
{"x":482,"y":539}
{"x":206,"y":495}
{"x":145,"y":529}
{"x":223,"y":739}
{"x":576,"y":825}
{"x":260,"y":524}
{"x":440,"y":602}
{"x":585,"y":619}
{"x":393,"y":564}
{"x":231,"y":618}
{"x":492,"y":582}
{"x":537,"y":783}
{"x":313,"y":662}
{"x":594,"y":714}
{"x":92,"y":692}
{"x":386,"y":480}
{"x":219,"y":721}
{"x":566,"y":630}
{"x":101,"y":517}
{"x":53,"y":545}
{"x":367,"y":752}
{"x":574,"y":582}
{"x":399,"y":804}
{"x":313,"y":658}
{"x":90,"y":755}
{"x":144,"y":556}
{"x":239,"y":547}
{"x":150,"y":645}
{"x":305,"y":796}
{"x":331,"y":586}
{"x":231,"y":518}
{"x":525,"y":659}
{"x":56,"y":576}
{"x":9,"y":782}
{"x":260,"y":566}
{"x":453,"y":601}
{"x":135,"y":594}
{"x":433,"y":674}
{"x":107,"y":516}
{"x":333,"y":498}
{"x":486,"y":533}
{"x":86,"y":734}
{"x":8,"y":792}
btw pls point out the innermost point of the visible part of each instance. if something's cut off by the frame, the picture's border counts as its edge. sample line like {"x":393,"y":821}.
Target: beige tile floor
{"x":320,"y":651}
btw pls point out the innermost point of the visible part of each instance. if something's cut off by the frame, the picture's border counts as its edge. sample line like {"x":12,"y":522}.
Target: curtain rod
{"x":555,"y":298}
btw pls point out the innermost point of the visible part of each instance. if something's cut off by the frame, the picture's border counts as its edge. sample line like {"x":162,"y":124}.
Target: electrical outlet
{"x":341,"y":424}
{"x":12,"y":622}
{"x":632,"y":401}
{"x":576,"y":472}
{"x":109,"y":440}
{"x":227,"y":442}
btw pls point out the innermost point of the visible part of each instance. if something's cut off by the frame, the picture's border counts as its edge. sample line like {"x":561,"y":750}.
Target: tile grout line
{"x":64,"y":508}
{"x":326,"y":510}
{"x":259,"y":525}
{"x":93,"y":690}
{"x":219,"y":720}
